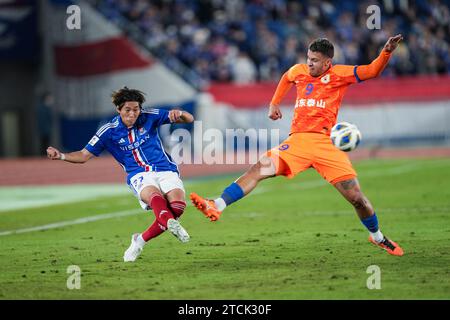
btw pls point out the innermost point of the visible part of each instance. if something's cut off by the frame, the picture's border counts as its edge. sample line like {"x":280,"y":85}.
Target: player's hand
{"x":53,"y":153}
{"x":175,"y":115}
{"x":392,"y":43}
{"x":275,"y":113}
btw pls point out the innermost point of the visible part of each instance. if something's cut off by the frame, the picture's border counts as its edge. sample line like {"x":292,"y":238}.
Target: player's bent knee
{"x":265,"y":167}
{"x":177,"y":207}
{"x":147,"y":195}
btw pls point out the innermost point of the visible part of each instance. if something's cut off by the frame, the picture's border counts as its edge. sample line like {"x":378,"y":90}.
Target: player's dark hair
{"x":125,"y":94}
{"x":322,"y":45}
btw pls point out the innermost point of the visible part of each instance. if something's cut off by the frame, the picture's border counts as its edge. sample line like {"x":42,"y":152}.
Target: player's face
{"x":129,"y":113}
{"x":318,"y":63}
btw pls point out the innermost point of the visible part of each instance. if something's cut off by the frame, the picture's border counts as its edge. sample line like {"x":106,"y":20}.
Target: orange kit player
{"x":320,"y":89}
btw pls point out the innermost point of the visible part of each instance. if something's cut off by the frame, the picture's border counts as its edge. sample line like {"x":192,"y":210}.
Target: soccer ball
{"x":345,"y":136}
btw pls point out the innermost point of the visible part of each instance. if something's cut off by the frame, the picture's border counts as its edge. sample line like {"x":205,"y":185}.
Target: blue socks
{"x":232,"y":193}
{"x":371,"y":223}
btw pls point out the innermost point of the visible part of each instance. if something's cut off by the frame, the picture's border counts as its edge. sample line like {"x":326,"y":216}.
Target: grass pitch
{"x":290,"y":239}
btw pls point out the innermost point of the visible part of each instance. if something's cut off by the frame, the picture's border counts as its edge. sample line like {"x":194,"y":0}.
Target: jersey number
{"x":309,"y":88}
{"x":137,"y":183}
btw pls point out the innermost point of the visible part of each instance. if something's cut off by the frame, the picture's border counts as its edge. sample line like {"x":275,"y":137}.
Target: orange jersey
{"x":319,"y":98}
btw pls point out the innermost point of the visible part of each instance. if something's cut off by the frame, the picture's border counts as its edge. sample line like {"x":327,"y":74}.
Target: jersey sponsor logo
{"x":93,"y":141}
{"x":135,"y":144}
{"x":310,"y":103}
{"x":122,"y":140}
{"x":325,"y":79}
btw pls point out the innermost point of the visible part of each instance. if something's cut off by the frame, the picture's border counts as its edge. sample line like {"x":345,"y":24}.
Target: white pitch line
{"x":305,"y":185}
{"x":236,"y":214}
{"x":374,"y":173}
{"x":73,"y":222}
{"x":24,"y":197}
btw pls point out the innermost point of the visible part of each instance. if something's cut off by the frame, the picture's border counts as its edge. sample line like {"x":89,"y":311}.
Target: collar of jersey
{"x":323,"y":74}
{"x":122,"y":126}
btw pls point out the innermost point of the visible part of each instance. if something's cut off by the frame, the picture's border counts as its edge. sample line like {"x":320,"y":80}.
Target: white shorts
{"x":164,"y":181}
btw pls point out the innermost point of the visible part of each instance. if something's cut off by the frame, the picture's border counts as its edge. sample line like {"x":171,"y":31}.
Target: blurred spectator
{"x":272,"y":35}
{"x":243,"y":69}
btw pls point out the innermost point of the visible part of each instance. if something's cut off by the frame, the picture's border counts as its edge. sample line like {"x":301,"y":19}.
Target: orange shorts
{"x":305,"y":150}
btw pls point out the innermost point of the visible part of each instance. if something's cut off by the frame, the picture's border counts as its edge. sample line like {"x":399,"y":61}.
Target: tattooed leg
{"x":352,"y":192}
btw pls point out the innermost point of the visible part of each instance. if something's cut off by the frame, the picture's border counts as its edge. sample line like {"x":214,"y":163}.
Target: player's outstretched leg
{"x":177,"y":230}
{"x":134,"y":250}
{"x":165,"y":216}
{"x":208,"y":207}
{"x":164,"y":212}
{"x":351,"y":191}
{"x":176,"y":204}
{"x":138,"y":240}
{"x":177,"y":207}
{"x":212,"y":209}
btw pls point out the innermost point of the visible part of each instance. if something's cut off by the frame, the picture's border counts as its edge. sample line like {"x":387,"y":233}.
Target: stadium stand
{"x":230,"y":55}
{"x":249,"y":41}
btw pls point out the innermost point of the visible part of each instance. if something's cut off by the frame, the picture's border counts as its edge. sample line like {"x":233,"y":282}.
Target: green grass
{"x":292,"y":239}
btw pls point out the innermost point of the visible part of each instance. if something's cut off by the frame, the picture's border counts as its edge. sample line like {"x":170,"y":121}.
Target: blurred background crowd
{"x":258,"y":40}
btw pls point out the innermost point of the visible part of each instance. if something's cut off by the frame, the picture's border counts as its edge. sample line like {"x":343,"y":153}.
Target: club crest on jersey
{"x":325,"y":79}
{"x":283,"y":147}
{"x":142,"y":130}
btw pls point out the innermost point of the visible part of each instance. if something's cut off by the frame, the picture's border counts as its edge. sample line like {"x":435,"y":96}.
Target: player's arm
{"x":377,"y":66}
{"x":284,"y":85}
{"x":179,"y":116}
{"x":74,"y":157}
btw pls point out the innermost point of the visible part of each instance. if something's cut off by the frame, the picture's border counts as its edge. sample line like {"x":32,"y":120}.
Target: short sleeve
{"x":95,"y":145}
{"x":157,"y":116}
{"x":296,"y":70}
{"x":347,"y":73}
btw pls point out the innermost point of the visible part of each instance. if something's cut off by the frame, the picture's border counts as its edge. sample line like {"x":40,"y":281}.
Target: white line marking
{"x":374,"y":173}
{"x":236,"y":214}
{"x":305,"y":185}
{"x":73,"y":222}
{"x":16,"y":198}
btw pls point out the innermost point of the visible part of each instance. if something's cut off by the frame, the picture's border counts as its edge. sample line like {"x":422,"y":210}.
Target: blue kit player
{"x":132,"y":139}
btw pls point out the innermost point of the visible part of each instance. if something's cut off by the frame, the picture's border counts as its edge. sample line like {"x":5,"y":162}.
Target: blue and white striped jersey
{"x":137,"y":149}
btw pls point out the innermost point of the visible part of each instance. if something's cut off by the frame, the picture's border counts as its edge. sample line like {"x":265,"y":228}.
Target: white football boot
{"x":133,"y":251}
{"x":177,"y":230}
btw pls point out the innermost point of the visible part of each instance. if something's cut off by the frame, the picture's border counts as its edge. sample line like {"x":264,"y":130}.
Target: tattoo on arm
{"x":348,"y":184}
